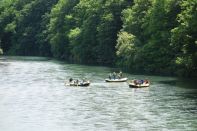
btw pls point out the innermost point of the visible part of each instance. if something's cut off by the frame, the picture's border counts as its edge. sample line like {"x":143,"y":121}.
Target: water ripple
{"x":33,"y":97}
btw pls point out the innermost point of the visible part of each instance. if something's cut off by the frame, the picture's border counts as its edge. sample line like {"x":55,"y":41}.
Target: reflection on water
{"x":183,"y":83}
{"x":33,"y":97}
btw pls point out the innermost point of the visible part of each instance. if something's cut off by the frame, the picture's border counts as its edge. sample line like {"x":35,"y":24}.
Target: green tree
{"x":134,"y":18}
{"x":108,"y":28}
{"x":61,"y":22}
{"x":20,"y":22}
{"x":184,"y":39}
{"x":99,"y":22}
{"x":126,"y":50}
{"x":157,"y":52}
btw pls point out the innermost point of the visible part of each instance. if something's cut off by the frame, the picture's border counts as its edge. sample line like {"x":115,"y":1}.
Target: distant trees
{"x":184,"y":39}
{"x":85,"y":31}
{"x":134,"y":18}
{"x":126,"y":50}
{"x":60,"y":23}
{"x":151,"y":36}
{"x":21,"y":25}
{"x":158,"y":26}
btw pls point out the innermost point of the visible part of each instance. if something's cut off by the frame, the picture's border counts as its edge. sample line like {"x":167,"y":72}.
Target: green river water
{"x":33,"y":97}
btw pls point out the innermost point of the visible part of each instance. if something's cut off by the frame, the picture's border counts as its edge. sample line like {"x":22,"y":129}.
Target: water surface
{"x":33,"y":98}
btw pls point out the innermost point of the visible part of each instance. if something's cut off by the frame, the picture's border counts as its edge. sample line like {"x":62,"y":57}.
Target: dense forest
{"x":149,"y":36}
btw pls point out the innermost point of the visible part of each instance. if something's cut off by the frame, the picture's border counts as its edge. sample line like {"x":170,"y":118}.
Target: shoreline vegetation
{"x":156,"y":37}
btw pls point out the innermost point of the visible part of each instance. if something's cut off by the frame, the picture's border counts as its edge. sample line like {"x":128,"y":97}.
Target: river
{"x":33,"y":97}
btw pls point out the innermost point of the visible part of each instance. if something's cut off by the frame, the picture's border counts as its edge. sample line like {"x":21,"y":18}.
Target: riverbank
{"x":114,"y":68}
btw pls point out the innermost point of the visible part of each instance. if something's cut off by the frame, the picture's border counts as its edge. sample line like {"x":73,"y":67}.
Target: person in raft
{"x":110,"y":76}
{"x":120,"y":75}
{"x":114,"y":75}
{"x":71,"y":80}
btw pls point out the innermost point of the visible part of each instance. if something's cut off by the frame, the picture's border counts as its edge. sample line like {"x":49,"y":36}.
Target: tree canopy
{"x":146,"y":36}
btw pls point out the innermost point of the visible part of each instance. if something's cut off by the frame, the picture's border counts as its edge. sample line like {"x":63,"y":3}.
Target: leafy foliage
{"x":126,"y":49}
{"x":149,"y":36}
{"x":184,"y":39}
